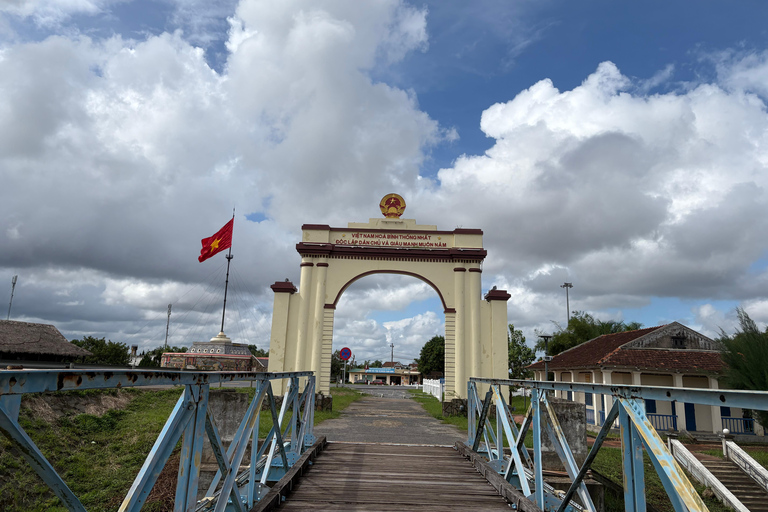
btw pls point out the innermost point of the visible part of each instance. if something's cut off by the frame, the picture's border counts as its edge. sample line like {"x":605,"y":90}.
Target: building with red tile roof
{"x":671,"y":355}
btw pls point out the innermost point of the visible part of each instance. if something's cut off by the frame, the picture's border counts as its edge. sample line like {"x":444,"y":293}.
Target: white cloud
{"x":117,"y":156}
{"x":632,"y":195}
{"x":49,"y":13}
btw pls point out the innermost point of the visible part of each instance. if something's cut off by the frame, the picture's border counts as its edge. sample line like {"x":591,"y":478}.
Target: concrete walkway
{"x":388,"y":420}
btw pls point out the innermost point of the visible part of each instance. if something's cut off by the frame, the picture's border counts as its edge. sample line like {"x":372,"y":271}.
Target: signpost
{"x":345,"y":354}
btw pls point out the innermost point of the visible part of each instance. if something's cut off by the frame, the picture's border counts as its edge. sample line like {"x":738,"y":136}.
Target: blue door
{"x":690,"y":418}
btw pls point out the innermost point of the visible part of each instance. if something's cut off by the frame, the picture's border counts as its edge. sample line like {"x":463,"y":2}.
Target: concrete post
{"x":597,"y":400}
{"x":460,"y":354}
{"x":279,"y":335}
{"x":717,"y":418}
{"x":305,"y":296}
{"x":608,"y":398}
{"x":318,"y":319}
{"x":473,"y":295}
{"x":677,"y":381}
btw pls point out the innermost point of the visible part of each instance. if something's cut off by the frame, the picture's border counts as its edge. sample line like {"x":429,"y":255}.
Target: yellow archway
{"x":449,"y":261}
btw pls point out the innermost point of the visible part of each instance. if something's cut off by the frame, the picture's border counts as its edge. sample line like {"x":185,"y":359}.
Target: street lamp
{"x":567,"y":286}
{"x":547,"y":358}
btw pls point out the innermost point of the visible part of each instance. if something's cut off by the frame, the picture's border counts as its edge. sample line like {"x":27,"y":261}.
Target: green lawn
{"x":99,"y":456}
{"x":608,"y":463}
{"x":758,"y":453}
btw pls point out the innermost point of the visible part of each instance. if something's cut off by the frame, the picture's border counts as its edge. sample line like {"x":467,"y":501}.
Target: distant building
{"x":219,"y":354}
{"x":671,"y":355}
{"x":392,"y":374}
{"x":36,"y":342}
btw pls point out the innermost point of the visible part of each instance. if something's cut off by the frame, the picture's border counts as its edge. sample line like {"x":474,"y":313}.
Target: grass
{"x":98,"y":457}
{"x":608,"y":463}
{"x":759,"y":454}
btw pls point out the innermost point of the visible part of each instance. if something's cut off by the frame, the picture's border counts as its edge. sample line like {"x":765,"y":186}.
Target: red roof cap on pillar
{"x":497,"y":295}
{"x":284,"y":287}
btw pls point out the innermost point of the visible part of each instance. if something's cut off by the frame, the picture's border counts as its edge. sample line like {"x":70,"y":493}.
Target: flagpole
{"x":226,"y":283}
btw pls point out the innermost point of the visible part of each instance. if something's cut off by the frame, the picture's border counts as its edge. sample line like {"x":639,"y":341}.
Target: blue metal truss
{"x":637,"y":436}
{"x":190,"y":421}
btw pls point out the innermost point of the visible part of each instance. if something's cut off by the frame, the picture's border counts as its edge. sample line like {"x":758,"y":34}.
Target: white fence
{"x":434,"y":388}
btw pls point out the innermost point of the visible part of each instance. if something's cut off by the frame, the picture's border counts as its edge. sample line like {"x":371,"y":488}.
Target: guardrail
{"x":744,"y":426}
{"x":663,"y":421}
{"x":489,"y":438}
{"x":190,"y":421}
{"x":750,"y":466}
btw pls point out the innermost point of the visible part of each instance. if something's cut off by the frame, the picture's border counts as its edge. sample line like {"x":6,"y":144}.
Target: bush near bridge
{"x":99,"y":455}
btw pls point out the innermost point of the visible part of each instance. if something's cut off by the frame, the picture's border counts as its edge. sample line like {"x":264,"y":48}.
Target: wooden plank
{"x":274,"y":496}
{"x":339,"y":506}
{"x":368,"y":477}
{"x":510,"y":493}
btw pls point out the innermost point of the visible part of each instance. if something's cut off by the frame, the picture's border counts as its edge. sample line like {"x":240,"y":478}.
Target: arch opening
{"x":385,"y":318}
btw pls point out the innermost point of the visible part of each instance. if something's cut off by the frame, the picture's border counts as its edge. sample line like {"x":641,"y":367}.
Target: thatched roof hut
{"x":28,"y":340}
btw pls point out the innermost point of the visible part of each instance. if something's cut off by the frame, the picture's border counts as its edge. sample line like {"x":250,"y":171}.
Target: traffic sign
{"x":345,"y":353}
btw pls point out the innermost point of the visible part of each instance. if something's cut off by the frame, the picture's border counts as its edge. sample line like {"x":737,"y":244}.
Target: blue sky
{"x":617,"y":146}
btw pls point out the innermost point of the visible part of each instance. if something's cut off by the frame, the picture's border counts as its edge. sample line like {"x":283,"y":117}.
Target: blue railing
{"x":503,"y":443}
{"x":744,"y":426}
{"x":663,"y":421}
{"x":591,"y":416}
{"x":189,"y":422}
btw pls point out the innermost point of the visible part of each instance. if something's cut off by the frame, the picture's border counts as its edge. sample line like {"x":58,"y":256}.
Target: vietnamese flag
{"x":218,"y":242}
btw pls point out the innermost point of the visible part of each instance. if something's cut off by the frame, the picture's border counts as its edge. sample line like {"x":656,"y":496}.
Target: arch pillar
{"x":305,"y":296}
{"x":318,"y":320}
{"x":458,"y":386}
{"x":473,"y":294}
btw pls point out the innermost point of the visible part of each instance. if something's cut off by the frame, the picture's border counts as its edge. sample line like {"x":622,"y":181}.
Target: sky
{"x":621,"y":147}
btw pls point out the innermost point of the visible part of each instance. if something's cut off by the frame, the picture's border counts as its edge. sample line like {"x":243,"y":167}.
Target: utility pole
{"x":547,"y":359}
{"x":392,"y":357}
{"x":167,"y":324}
{"x":13,"y":287}
{"x":567,"y":286}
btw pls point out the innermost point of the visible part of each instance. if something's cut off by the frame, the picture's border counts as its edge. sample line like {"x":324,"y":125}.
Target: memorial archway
{"x":449,"y":261}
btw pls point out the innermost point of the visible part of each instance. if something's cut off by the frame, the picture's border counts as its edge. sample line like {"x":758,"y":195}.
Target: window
{"x":588,"y":398}
{"x":725,"y":411}
{"x":650,"y":406}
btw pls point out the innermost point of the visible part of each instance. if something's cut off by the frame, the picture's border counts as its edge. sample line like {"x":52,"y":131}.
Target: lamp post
{"x":567,"y":286}
{"x":546,"y":338}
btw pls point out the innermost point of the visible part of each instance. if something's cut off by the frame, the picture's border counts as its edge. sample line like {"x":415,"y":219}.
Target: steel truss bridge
{"x":495,"y":445}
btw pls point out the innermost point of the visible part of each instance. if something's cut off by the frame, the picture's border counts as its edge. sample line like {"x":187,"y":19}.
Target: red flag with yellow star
{"x":218,"y":242}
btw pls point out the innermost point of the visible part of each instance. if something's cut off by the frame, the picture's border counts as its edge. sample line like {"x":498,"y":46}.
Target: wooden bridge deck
{"x":368,"y":477}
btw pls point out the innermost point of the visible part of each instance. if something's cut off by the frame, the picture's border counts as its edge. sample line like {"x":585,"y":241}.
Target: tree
{"x":432,"y":356}
{"x":104,"y":352}
{"x":154,"y":357}
{"x":377,"y":364}
{"x":520,"y":354}
{"x":337,"y":365}
{"x":258,"y":352}
{"x":583,"y":327}
{"x":746,"y":355}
